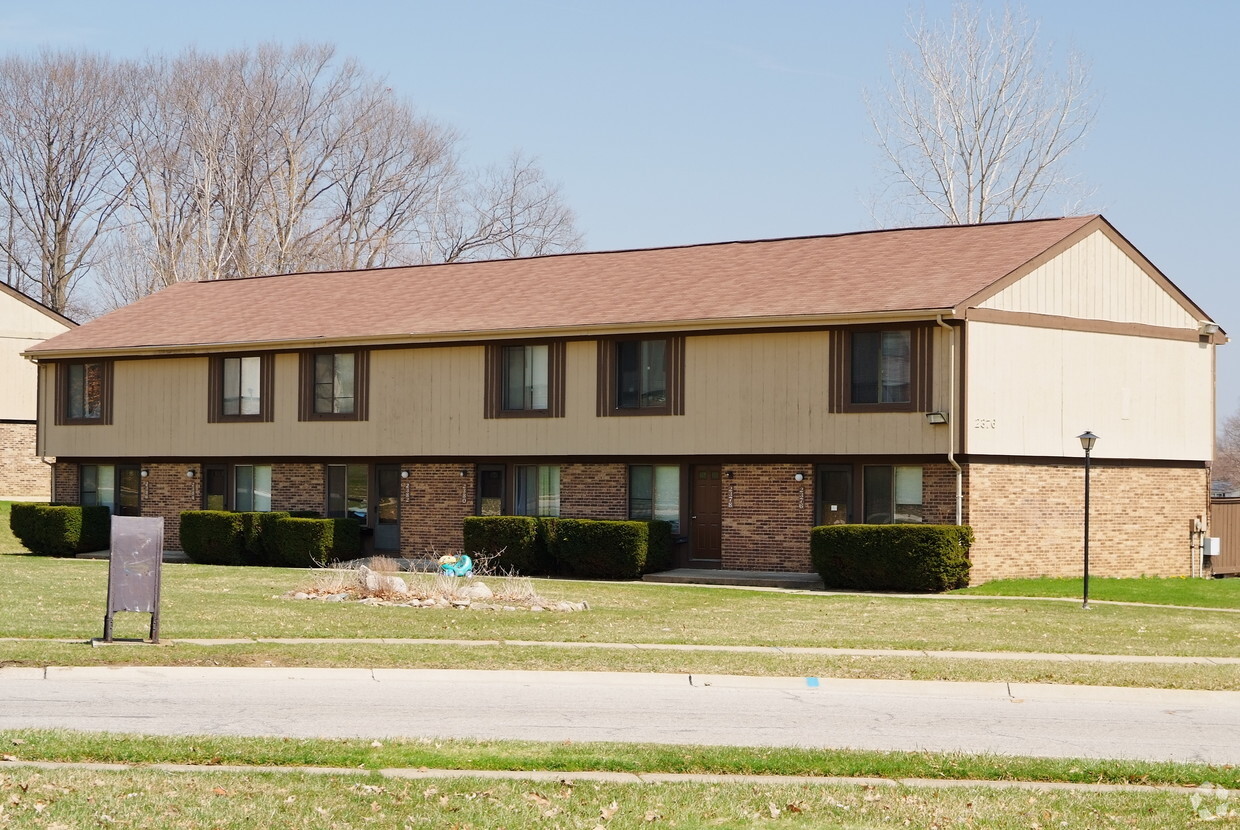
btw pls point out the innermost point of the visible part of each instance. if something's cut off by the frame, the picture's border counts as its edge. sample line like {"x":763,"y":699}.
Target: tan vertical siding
{"x":1032,"y":391}
{"x":759,"y":393}
{"x":1093,"y":280}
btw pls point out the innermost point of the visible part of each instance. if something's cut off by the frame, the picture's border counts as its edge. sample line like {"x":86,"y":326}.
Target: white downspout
{"x":951,"y":418}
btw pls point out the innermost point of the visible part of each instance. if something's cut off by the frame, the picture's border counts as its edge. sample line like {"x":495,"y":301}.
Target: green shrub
{"x":602,"y":549}
{"x":658,"y":547}
{"x":301,"y":543}
{"x":213,"y":537}
{"x":512,"y":540}
{"x":23,"y":523}
{"x":61,"y":530}
{"x":346,"y":538}
{"x":256,"y":534}
{"x":920,"y":558}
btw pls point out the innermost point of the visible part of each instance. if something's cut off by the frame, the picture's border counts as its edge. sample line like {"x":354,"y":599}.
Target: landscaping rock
{"x":478,"y":590}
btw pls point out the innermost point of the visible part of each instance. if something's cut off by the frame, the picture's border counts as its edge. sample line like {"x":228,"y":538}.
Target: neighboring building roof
{"x":728,"y":284}
{"x":9,"y":291}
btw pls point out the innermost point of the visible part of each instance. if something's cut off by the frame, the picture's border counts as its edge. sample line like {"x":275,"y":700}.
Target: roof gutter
{"x":951,"y":419}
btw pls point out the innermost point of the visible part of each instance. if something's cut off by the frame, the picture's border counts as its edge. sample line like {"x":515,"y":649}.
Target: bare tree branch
{"x":974,"y":127}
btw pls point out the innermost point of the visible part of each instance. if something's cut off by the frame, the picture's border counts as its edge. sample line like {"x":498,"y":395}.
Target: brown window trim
{"x":608,"y":405}
{"x":493,"y":395}
{"x":266,"y":387}
{"x":62,"y":394}
{"x":361,"y":387}
{"x":920,"y":378}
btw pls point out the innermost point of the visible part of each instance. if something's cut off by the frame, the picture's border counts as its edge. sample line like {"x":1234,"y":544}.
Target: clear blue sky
{"x":680,"y":122}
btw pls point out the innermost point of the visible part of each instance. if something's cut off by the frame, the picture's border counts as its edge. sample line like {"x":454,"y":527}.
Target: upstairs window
{"x":641,"y":376}
{"x":881,"y":369}
{"x":85,"y":393}
{"x":881,"y":363}
{"x":525,"y":380}
{"x":240,"y":388}
{"x":334,"y":386}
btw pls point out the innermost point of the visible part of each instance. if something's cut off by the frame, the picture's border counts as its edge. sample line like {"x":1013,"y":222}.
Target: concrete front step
{"x":753,"y":579}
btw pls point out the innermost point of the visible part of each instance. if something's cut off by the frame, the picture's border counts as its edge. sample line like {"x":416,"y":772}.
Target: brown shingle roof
{"x":852,"y":274}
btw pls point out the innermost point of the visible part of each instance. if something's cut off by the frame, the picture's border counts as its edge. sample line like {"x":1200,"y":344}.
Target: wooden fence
{"x":1225,"y":524}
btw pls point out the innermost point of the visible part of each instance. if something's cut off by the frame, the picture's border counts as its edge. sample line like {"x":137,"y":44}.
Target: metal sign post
{"x":134,"y":570}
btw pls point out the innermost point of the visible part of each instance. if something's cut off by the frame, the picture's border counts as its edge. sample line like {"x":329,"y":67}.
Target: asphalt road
{"x":1011,"y":719}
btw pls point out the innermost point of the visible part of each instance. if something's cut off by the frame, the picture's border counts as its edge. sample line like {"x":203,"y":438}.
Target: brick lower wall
{"x":66,"y":483}
{"x":23,"y":477}
{"x":435,"y":499}
{"x":767,"y":516}
{"x":1028,"y":520}
{"x":166,"y":492}
{"x":594,"y":491}
{"x":298,"y":487}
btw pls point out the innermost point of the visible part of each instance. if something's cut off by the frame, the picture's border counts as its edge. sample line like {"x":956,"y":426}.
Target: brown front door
{"x":128,"y":490}
{"x":706,"y":517}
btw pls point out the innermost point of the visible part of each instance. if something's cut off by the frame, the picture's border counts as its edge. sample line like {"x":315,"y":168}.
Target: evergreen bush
{"x":514,"y":541}
{"x":913,"y":558}
{"x":602,"y":549}
{"x":301,"y":543}
{"x":213,"y":537}
{"x":61,"y":529}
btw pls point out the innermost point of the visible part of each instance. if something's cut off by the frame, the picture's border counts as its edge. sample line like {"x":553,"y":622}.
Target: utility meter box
{"x":1211,"y":546}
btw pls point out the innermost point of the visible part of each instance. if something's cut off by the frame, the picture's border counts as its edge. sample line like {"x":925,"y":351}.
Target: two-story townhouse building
{"x":743,"y":391}
{"x":23,"y":323}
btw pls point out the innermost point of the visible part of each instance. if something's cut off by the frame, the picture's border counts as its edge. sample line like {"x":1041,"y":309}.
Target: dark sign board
{"x":134,"y":569}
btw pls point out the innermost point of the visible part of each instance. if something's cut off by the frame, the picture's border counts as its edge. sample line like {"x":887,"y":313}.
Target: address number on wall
{"x":984,"y":423}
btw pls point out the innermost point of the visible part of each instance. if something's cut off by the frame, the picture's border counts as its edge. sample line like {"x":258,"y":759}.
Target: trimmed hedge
{"x":658,"y":547}
{"x":602,"y":549}
{"x":213,"y":537}
{"x":346,"y":538}
{"x":911,"y":557}
{"x":256,"y":535}
{"x":61,"y":530}
{"x":301,"y":543}
{"x":515,"y":541}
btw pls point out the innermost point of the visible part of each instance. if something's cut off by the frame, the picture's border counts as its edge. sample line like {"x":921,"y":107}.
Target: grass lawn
{"x":61,"y":598}
{"x":1204,"y":593}
{"x":146,"y":797}
{"x":150,"y":798}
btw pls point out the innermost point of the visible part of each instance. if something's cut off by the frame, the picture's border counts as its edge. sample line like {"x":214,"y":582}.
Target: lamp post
{"x":1087,"y":439}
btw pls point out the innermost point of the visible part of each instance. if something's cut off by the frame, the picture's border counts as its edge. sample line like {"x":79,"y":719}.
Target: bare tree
{"x":511,"y":210}
{"x":266,"y":160}
{"x":1226,"y":467}
{"x":975,"y":126}
{"x":59,"y":161}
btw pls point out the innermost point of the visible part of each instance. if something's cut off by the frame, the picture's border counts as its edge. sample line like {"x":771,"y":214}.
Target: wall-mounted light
{"x":190,"y":473}
{"x":145,"y":473}
{"x":730,"y":474}
{"x":936,"y":417}
{"x":1206,"y":327}
{"x":404,"y":474}
{"x":464,"y":472}
{"x":799,"y":477}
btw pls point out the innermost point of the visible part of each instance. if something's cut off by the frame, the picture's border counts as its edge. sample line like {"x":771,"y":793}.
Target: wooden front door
{"x":706,"y":517}
{"x":128,"y":490}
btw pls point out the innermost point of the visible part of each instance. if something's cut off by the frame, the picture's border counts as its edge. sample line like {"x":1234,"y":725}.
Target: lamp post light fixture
{"x":1087,"y":439}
